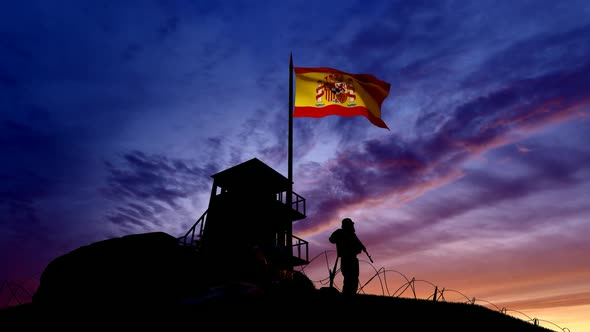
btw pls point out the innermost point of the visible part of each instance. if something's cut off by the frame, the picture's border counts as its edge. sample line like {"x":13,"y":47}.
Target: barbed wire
{"x":17,"y":292}
{"x":437,"y":295}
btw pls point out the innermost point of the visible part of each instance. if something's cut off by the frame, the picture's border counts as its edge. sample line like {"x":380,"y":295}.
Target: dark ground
{"x":146,"y":282}
{"x":320,"y":311}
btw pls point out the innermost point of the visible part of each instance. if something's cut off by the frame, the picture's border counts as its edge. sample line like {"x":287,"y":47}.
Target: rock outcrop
{"x":145,"y":269}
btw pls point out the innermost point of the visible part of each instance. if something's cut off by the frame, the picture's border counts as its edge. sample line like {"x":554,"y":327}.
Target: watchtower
{"x":248,"y":214}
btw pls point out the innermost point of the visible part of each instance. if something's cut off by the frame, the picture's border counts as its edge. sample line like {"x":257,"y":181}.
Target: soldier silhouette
{"x":348,"y":246}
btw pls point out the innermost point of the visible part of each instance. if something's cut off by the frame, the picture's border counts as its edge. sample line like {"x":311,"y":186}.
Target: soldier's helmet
{"x":347,"y":222}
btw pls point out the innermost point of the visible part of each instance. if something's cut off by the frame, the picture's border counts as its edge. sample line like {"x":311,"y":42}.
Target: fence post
{"x":435,"y":291}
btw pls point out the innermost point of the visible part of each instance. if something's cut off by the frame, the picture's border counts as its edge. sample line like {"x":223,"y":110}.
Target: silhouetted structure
{"x":248,"y":223}
{"x":147,"y":282}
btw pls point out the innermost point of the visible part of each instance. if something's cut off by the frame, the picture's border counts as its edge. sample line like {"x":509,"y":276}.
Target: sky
{"x":115,"y":114}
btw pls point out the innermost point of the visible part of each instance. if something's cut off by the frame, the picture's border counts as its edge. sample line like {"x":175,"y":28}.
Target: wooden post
{"x":333,"y":272}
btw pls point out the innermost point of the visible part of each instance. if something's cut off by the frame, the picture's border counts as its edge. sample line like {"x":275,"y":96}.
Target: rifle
{"x":365,"y":250}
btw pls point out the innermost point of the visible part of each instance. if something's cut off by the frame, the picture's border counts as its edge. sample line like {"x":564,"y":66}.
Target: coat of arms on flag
{"x":335,"y":89}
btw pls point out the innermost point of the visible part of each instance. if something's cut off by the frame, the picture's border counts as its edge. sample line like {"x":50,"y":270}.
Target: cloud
{"x":523,"y":149}
{"x":145,"y":187}
{"x":531,"y":57}
{"x":561,"y":300}
{"x":36,"y":164}
{"x":525,"y":104}
{"x":386,"y":168}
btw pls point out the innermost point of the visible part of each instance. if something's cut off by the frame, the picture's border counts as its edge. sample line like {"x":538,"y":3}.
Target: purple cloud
{"x":472,"y":128}
{"x":145,"y":186}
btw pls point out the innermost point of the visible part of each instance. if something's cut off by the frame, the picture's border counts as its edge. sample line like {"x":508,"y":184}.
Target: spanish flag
{"x":321,"y":92}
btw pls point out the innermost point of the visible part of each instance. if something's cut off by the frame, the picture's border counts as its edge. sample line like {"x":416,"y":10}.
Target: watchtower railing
{"x":300,"y":245}
{"x":297,"y":201}
{"x":192,"y":232}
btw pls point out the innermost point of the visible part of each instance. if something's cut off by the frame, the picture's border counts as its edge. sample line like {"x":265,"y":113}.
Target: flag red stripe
{"x":320,"y":112}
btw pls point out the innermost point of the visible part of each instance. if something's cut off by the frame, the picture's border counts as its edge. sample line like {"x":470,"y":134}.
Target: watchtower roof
{"x":252,"y":174}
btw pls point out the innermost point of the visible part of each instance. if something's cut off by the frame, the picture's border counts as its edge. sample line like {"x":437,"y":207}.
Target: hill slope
{"x":146,"y":282}
{"x":282,"y":311}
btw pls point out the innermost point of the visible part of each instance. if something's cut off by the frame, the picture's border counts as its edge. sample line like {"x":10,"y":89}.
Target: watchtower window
{"x":219,"y":190}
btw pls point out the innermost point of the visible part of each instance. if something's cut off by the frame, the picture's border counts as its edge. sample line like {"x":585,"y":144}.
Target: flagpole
{"x":291,"y":122}
{"x":289,"y":235}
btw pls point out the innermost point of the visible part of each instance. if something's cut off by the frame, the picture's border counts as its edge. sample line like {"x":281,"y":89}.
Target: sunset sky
{"x":114,"y":115}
